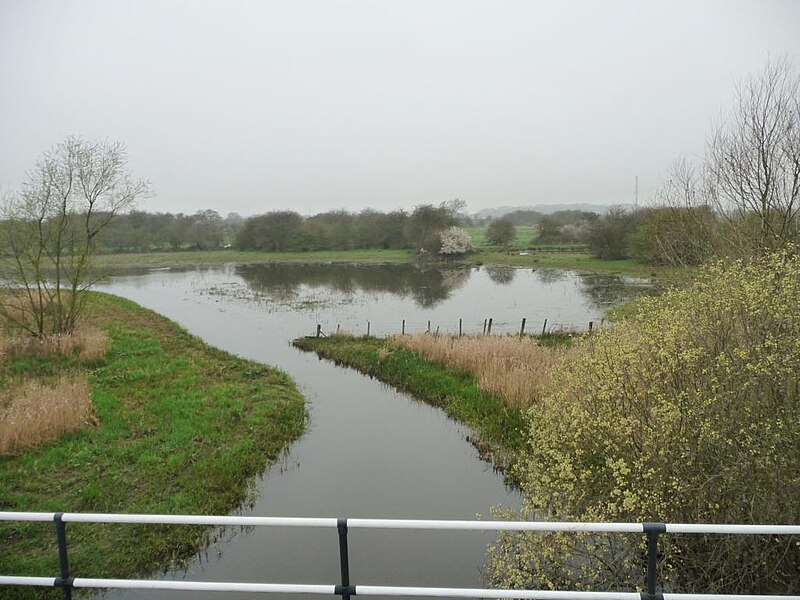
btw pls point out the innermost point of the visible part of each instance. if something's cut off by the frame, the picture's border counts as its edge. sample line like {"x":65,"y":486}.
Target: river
{"x":369,"y":451}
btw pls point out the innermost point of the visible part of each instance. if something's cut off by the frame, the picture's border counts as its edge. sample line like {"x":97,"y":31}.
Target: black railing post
{"x":652,"y":530}
{"x":64,"y":581}
{"x":345,"y":590}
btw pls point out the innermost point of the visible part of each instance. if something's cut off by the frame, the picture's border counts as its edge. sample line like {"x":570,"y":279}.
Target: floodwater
{"x":369,"y":451}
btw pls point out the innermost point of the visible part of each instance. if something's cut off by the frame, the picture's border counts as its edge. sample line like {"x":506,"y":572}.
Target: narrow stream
{"x":368,"y":451}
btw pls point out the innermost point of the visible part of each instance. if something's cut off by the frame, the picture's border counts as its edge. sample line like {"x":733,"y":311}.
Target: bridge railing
{"x":345,"y":589}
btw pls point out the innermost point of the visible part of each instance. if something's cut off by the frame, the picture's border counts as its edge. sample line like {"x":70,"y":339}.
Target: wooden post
{"x":367,"y":328}
{"x":484,"y":326}
{"x":544,"y":327}
{"x":337,"y":328}
{"x":489,"y":330}
{"x":403,"y":330}
{"x":459,"y":328}
{"x":522,"y":328}
{"x":437,"y":331}
{"x":591,"y":324}
{"x":429,"y":327}
{"x":319,"y":329}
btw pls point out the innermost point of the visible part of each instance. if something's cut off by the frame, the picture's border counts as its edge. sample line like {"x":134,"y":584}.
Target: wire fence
{"x":462,"y":327}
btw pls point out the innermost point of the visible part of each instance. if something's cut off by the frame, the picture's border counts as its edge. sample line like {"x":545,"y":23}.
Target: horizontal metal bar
{"x":26,"y":516}
{"x":493,"y":525}
{"x":378,"y":590}
{"x":668,"y":596}
{"x":364,"y":590}
{"x":200,"y":520}
{"x":423,"y":524}
{"x":39,"y":581}
{"x":203,"y":586}
{"x":734,"y":529}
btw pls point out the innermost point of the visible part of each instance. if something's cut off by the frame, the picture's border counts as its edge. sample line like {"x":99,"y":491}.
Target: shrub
{"x":687,"y":412}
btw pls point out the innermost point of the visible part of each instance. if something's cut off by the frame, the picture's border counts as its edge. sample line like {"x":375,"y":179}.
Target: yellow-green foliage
{"x":686,"y":412}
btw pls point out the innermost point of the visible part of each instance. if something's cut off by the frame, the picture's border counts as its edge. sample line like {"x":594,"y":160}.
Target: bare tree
{"x":50,"y":227}
{"x":752,"y":166}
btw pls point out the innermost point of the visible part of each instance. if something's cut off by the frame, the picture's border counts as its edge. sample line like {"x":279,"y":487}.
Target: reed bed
{"x":516,"y":369}
{"x":88,"y":343}
{"x":32,"y":413}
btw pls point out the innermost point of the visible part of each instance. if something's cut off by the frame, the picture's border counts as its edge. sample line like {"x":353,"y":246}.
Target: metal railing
{"x":345,"y":589}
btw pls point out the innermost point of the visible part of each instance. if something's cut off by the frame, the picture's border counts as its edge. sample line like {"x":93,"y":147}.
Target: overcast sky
{"x":316,"y":105}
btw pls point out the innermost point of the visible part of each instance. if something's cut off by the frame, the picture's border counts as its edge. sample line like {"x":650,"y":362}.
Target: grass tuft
{"x":515,"y":369}
{"x":32,"y":413}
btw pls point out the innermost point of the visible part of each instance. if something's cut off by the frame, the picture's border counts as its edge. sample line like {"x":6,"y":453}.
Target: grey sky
{"x":256,"y":106}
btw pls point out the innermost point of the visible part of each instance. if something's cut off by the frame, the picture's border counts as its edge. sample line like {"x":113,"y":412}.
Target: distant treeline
{"x":280,"y":231}
{"x":659,"y":235}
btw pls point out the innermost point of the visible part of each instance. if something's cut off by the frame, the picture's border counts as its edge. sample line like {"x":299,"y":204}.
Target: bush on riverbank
{"x":183,"y":428}
{"x":687,"y":412}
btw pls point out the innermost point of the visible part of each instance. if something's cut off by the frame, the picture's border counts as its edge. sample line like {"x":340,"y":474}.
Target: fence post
{"x":484,"y":326}
{"x":367,"y":328}
{"x":591,"y":324}
{"x":319,"y":329}
{"x":489,"y":329}
{"x":652,"y":530}
{"x":65,"y":581}
{"x":459,"y":328}
{"x":544,"y":327}
{"x":522,"y":328}
{"x":337,"y":328}
{"x":344,"y":590}
{"x":403,"y":330}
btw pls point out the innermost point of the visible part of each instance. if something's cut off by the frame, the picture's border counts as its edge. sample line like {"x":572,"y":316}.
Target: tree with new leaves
{"x":501,"y":232}
{"x":50,"y":229}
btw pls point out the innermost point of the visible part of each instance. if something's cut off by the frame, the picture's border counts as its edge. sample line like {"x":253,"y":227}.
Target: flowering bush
{"x":687,"y":412}
{"x":454,"y":241}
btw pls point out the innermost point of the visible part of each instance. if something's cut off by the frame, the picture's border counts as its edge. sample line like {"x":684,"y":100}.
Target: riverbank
{"x":498,"y":428}
{"x":182,"y":428}
{"x":577,"y":261}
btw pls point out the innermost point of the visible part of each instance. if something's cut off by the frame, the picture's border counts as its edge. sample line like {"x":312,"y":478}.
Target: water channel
{"x":368,"y":451}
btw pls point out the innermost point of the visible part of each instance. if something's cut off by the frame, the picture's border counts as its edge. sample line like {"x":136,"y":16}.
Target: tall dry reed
{"x":87,"y":342}
{"x":32,"y":413}
{"x":516,"y":369}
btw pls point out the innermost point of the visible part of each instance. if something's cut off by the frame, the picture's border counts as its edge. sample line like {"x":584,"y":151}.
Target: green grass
{"x":217,"y":257}
{"x":577,"y":261}
{"x":498,"y":429}
{"x":184,"y":428}
{"x":522,"y":239}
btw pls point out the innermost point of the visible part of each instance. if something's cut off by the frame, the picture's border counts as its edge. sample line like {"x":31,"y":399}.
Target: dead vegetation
{"x":516,"y":369}
{"x":88,"y":343}
{"x":32,"y":413}
{"x":35,"y":411}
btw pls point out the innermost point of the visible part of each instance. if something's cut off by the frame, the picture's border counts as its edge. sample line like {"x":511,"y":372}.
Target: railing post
{"x":652,"y":530}
{"x":344,"y":590}
{"x":64,"y":581}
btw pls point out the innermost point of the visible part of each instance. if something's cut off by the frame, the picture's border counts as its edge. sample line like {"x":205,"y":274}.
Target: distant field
{"x":525,"y":234}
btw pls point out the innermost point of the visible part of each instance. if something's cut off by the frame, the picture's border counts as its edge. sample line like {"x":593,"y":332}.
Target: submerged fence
{"x":346,"y":589}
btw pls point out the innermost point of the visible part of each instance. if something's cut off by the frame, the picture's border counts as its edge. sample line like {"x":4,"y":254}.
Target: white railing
{"x":344,"y":588}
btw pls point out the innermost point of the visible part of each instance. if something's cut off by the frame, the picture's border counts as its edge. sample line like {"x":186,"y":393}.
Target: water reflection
{"x":427,"y":285}
{"x":501,"y":275}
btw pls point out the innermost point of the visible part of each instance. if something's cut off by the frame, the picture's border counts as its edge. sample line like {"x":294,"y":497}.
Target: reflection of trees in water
{"x":605,"y":291}
{"x":426,"y":284}
{"x":501,"y":275}
{"x":550,"y":276}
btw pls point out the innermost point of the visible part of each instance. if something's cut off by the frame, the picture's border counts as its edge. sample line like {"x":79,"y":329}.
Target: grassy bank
{"x":497,"y":427}
{"x":578,"y":261}
{"x":181,"y":428}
